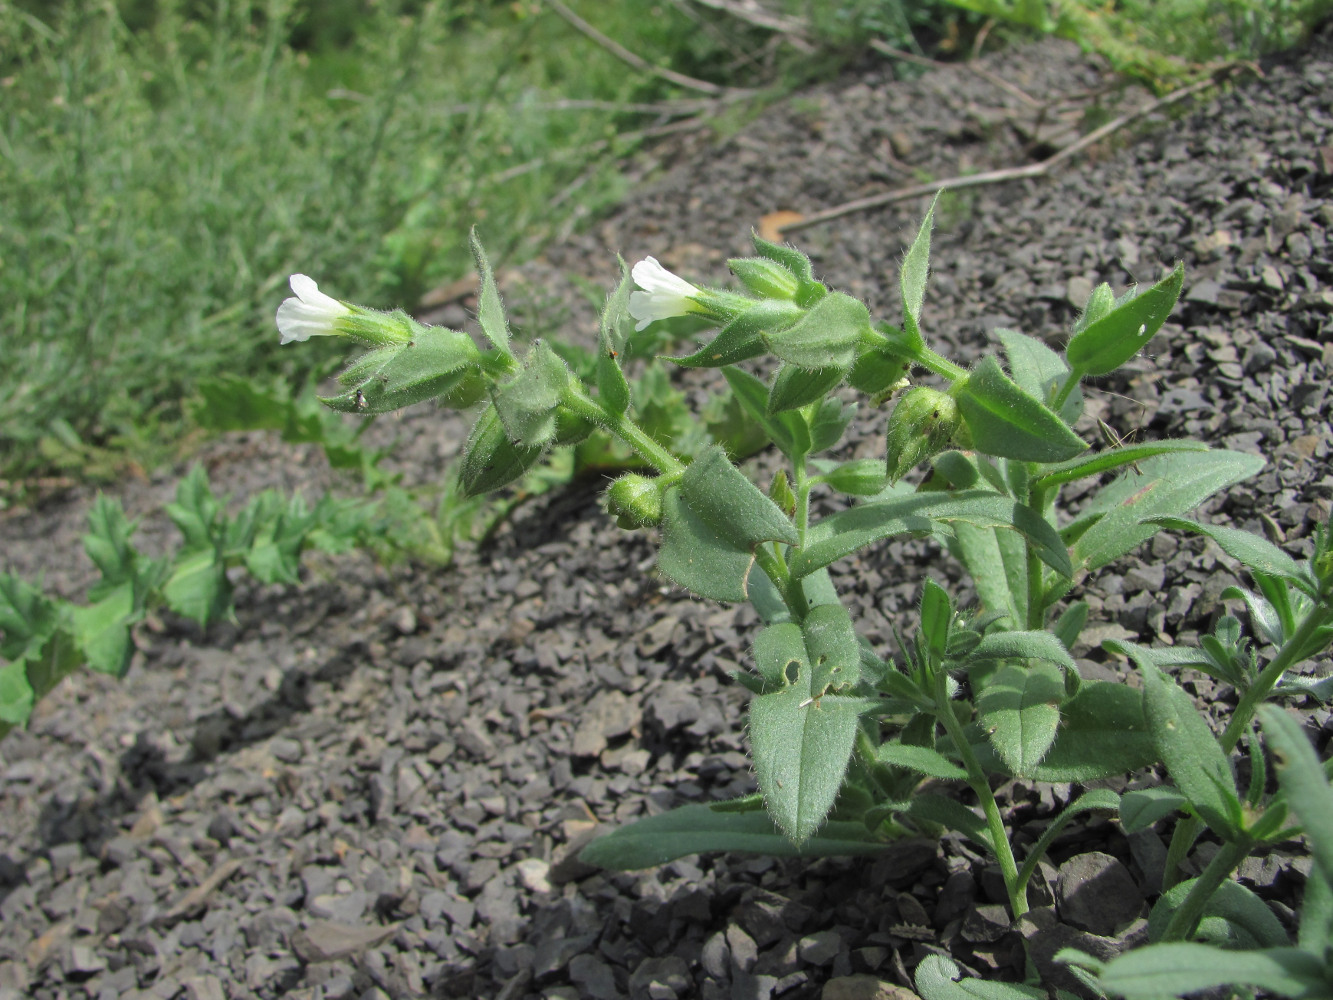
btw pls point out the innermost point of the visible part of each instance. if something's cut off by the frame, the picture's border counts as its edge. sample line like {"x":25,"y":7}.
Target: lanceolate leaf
{"x":1005,"y":420}
{"x":1166,"y":485}
{"x":692,"y":829}
{"x":1110,"y":460}
{"x":1164,"y":970}
{"x":490,"y":310}
{"x":922,"y":760}
{"x":1302,"y":778}
{"x":794,"y":386}
{"x":916,"y":268}
{"x":1255,"y":552}
{"x":490,"y":459}
{"x":1106,"y":344}
{"x":435,"y":364}
{"x":743,"y":337}
{"x":1142,"y":808}
{"x":847,"y":531}
{"x":526,"y":406}
{"x":612,"y":387}
{"x":1040,"y":371}
{"x":1023,"y":645}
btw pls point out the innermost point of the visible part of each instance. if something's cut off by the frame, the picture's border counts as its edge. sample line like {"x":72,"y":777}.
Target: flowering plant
{"x":850,"y":748}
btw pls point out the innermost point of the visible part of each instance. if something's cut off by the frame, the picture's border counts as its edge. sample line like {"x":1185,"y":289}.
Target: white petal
{"x":310,"y":314}
{"x":651,"y":276}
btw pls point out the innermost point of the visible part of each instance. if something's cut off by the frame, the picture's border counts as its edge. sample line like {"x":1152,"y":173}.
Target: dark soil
{"x":374,"y":784}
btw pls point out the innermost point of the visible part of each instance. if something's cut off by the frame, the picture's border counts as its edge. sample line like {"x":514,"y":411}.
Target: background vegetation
{"x":165,"y":164}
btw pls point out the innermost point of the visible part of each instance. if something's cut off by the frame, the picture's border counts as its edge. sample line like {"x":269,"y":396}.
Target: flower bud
{"x":635,"y":501}
{"x":765,"y":277}
{"x":920,"y":427}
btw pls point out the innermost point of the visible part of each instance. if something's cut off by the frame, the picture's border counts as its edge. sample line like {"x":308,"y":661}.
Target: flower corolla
{"x":310,"y":313}
{"x":664,"y":294}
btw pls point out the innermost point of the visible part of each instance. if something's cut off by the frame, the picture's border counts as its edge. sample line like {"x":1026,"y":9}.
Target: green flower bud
{"x":878,"y":374}
{"x":764,"y":277}
{"x":635,"y":501}
{"x":920,"y":427}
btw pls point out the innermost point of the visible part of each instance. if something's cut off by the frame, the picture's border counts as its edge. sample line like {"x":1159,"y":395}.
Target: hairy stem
{"x":1184,"y":921}
{"x":624,"y":428}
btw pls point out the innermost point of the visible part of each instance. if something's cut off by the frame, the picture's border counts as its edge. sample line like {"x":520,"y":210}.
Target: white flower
{"x":664,"y":294}
{"x":310,"y":314}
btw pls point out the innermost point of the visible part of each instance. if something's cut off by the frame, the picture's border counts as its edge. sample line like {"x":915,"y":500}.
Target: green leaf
{"x":1070,"y":624}
{"x":657,"y":840}
{"x":916,"y":269}
{"x":108,"y":544}
{"x":1253,"y":551}
{"x":1236,"y":916}
{"x":196,"y":510}
{"x":1006,"y":421}
{"x":437,"y":362}
{"x":800,"y":747}
{"x":996,"y":560}
{"x":938,"y":978}
{"x":780,"y":654}
{"x":1301,"y":777}
{"x":490,"y":459}
{"x":1034,"y":645}
{"x":862,"y":477}
{"x":834,"y":651}
{"x":743,"y":337}
{"x":527,"y":404}
{"x":794,"y":386}
{"x":1176,"y":969}
{"x":785,"y":254}
{"x":711,"y":522}
{"x":612,"y":388}
{"x":788,"y":431}
{"x":847,"y":531}
{"x":102,"y":630}
{"x":828,"y":424}
{"x":1040,"y":371}
{"x":1110,"y":460}
{"x":922,"y":760}
{"x":198,"y":587}
{"x":490,"y":310}
{"x":16,"y":695}
{"x":1020,"y":708}
{"x":1143,"y":807}
{"x":825,"y":337}
{"x":952,"y":815}
{"x":1186,"y":745}
{"x":1097,"y":800}
{"x":1106,"y":344}
{"x":1103,"y":732}
{"x":1166,"y":485}
{"x":937,"y":613}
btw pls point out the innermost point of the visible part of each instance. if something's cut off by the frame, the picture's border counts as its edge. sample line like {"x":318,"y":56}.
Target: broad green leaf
{"x":102,"y":629}
{"x":1233,"y":916}
{"x":825,"y":337}
{"x":995,"y":560}
{"x":1186,"y":745}
{"x":198,"y":587}
{"x":922,"y":760}
{"x":938,"y":978}
{"x":490,"y":459}
{"x":490,"y":310}
{"x":1020,"y":709}
{"x":800,"y":745}
{"x":16,"y":694}
{"x":196,"y":510}
{"x":828,"y":424}
{"x":743,"y":337}
{"x":1103,"y":732}
{"x":1253,"y":551}
{"x":612,"y":388}
{"x":1108,"y":461}
{"x":1040,"y":372}
{"x":1302,"y":778}
{"x":1166,"y":485}
{"x":711,"y":522}
{"x":849,"y":530}
{"x":657,"y":840}
{"x":1034,"y":645}
{"x":436,"y":363}
{"x":527,"y":404}
{"x":1106,"y":344}
{"x":916,"y":269}
{"x":108,"y":544}
{"x":833,"y":649}
{"x":936,"y":615}
{"x":1176,"y":969}
{"x":1143,"y":807}
{"x":1316,"y":930}
{"x":780,"y":654}
{"x":794,"y":386}
{"x":1008,"y":422}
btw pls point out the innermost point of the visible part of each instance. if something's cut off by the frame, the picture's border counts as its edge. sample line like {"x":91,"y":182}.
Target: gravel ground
{"x":374,"y":784}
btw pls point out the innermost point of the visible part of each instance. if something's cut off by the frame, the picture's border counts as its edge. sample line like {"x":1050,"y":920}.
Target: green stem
{"x":976,"y":778}
{"x":624,"y":428}
{"x":1184,"y":921}
{"x":1036,"y":579}
{"x":939,"y":364}
{"x":1182,"y":839}
{"x":803,"y":486}
{"x":793,"y":593}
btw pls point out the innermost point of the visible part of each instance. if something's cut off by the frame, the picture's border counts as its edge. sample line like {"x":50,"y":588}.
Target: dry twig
{"x":1006,"y":174}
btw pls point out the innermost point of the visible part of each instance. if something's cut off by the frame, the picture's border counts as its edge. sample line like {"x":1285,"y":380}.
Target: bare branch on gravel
{"x":1040,"y":169}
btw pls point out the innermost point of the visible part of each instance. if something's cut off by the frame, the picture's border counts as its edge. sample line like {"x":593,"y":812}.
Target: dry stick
{"x":752,"y":13}
{"x":996,"y":176}
{"x":999,"y":81}
{"x":625,"y":55}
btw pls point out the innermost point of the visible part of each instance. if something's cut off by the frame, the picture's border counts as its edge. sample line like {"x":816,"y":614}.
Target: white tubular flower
{"x":310,"y":314}
{"x":664,"y":294}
